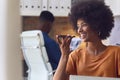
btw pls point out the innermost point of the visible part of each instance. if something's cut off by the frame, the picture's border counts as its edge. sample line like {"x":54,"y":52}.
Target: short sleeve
{"x":71,"y":66}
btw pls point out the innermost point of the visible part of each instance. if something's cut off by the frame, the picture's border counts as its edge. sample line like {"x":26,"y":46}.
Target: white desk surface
{"x":75,"y":77}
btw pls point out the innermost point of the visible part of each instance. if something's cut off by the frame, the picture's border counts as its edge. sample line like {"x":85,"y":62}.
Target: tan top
{"x":106,"y":64}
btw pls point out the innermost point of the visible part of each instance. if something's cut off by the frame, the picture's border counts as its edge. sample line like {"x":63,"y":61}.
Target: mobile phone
{"x":61,"y":36}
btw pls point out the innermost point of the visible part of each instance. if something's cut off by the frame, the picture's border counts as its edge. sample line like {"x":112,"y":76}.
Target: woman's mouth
{"x":83,"y":35}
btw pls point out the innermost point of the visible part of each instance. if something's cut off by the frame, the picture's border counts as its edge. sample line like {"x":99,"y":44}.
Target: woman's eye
{"x":84,"y":25}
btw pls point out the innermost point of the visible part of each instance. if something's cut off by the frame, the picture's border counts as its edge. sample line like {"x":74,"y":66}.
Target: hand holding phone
{"x":64,"y":43}
{"x":61,"y":37}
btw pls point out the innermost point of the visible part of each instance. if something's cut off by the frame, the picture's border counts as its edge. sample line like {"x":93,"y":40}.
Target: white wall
{"x":10,"y":28}
{"x":115,"y":34}
{"x":57,"y":7}
{"x":114,"y":5}
{"x":114,"y":38}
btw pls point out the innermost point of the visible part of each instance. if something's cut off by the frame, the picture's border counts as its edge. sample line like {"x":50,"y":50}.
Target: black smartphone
{"x":61,"y":36}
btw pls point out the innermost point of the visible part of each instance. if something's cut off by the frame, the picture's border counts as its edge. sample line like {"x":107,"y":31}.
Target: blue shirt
{"x":53,"y":50}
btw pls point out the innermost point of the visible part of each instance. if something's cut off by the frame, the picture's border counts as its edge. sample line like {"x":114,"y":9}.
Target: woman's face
{"x":85,"y":32}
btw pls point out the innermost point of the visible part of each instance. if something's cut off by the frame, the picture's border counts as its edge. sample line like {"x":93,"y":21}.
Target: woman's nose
{"x":79,"y":29}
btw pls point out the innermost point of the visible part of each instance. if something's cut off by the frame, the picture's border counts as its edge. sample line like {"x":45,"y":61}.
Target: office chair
{"x":35,"y":55}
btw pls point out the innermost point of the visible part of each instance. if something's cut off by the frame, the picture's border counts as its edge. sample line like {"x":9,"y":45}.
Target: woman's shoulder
{"x":113,"y":47}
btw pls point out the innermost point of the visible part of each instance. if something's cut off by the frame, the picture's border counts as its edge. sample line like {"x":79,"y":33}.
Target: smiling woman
{"x":94,"y":58}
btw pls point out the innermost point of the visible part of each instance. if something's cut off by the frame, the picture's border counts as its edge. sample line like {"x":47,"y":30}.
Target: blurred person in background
{"x":46,"y":20}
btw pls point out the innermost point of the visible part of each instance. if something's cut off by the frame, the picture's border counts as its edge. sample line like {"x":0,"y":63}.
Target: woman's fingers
{"x":64,"y":39}
{"x":58,"y":39}
{"x":64,"y":42}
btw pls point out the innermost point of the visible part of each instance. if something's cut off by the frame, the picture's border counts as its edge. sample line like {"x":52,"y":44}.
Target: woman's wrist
{"x":64,"y":57}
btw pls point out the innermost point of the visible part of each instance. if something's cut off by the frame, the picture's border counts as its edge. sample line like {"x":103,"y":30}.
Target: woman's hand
{"x":64,"y":43}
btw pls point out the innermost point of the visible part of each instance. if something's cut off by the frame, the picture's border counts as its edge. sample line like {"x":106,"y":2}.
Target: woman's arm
{"x":60,"y":73}
{"x":64,"y":44}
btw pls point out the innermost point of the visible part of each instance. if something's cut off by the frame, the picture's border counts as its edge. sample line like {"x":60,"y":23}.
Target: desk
{"x":75,"y":77}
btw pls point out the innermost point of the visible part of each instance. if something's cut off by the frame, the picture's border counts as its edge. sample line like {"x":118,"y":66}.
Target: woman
{"x":93,"y":21}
